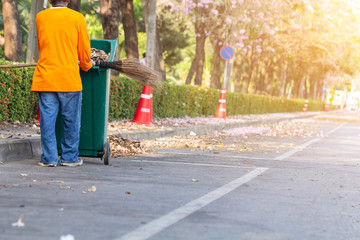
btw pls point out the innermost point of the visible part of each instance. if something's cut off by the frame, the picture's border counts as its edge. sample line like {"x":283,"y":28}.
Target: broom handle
{"x":100,"y":64}
{"x":19,"y":65}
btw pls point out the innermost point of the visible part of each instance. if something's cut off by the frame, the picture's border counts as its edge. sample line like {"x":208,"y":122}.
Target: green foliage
{"x":2,"y":51}
{"x":174,"y":37}
{"x":94,"y":26}
{"x":140,"y":21}
{"x":185,"y":100}
{"x":17,"y":102}
{"x":124,"y":97}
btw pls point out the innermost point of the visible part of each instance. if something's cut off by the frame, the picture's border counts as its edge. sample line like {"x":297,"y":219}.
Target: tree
{"x":153,"y":35}
{"x":12,"y":31}
{"x":174,"y":37}
{"x":129,"y":24}
{"x":32,"y":53}
{"x":109,"y":13}
{"x":75,"y":5}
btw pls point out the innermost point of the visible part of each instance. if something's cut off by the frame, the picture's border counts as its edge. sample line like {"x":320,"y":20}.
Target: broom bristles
{"x":133,"y":69}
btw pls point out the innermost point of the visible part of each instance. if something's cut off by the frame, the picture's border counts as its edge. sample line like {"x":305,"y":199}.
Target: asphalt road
{"x":297,"y":188}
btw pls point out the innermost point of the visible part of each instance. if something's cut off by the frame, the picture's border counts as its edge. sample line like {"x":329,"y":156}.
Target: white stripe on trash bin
{"x":150,"y":229}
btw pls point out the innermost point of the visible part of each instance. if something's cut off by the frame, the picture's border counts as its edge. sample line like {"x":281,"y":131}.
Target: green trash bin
{"x":95,"y":108}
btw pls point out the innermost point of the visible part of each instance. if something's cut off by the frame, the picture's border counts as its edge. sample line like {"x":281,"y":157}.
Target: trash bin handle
{"x":96,"y":68}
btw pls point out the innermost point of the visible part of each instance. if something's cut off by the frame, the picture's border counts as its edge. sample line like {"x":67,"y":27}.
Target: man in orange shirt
{"x":63,"y":42}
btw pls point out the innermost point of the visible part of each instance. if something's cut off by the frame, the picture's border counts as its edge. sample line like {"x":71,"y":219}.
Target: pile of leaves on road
{"x":245,"y":139}
{"x":124,"y":147}
{"x":126,"y":125}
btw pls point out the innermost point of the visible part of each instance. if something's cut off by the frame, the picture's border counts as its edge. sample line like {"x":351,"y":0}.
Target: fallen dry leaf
{"x":194,"y":180}
{"x":91,"y":189}
{"x":124,"y":147}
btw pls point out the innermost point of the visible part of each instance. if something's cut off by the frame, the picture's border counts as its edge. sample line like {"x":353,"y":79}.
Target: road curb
{"x":20,"y":149}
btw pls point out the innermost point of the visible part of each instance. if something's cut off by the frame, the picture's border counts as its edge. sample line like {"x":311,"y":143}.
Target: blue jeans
{"x":70,"y":105}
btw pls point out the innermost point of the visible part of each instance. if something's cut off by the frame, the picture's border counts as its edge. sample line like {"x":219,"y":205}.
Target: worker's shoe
{"x":79,"y":162}
{"x":47,"y":164}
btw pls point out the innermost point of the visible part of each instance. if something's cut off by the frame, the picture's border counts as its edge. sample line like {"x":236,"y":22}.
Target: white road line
{"x":163,"y":222}
{"x":208,"y":155}
{"x":193,"y":164}
{"x":331,"y":131}
{"x":301,"y":147}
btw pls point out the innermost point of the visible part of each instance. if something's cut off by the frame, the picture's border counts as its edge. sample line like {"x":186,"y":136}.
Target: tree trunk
{"x":191,"y":72}
{"x":301,"y":87}
{"x":75,"y":5}
{"x":269,"y":79}
{"x":12,"y":31}
{"x":249,"y":73}
{"x":200,"y":59}
{"x":245,"y":83}
{"x":215,"y":81}
{"x":159,"y":63}
{"x":258,"y":86}
{"x":129,"y":24}
{"x":109,"y":13}
{"x":238,"y":74}
{"x":199,"y":52}
{"x":282,"y":86}
{"x":314,"y":89}
{"x":32,"y":52}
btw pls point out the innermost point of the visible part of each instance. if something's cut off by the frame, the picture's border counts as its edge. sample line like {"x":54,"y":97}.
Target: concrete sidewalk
{"x":22,"y":141}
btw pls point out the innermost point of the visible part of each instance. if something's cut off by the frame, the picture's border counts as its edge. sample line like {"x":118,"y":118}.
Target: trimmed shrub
{"x":17,"y":102}
{"x":185,"y":100}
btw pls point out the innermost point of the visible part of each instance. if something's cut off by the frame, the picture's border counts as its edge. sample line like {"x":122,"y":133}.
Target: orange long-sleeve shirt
{"x":62,"y":40}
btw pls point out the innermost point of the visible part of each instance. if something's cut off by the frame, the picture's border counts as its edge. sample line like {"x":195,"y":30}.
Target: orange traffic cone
{"x":327,"y":107}
{"x":305,"y":108}
{"x":221,"y":108}
{"x":143,"y":113}
{"x":38,"y":116}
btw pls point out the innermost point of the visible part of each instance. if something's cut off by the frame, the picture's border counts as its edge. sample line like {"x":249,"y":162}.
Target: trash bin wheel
{"x":106,"y":150}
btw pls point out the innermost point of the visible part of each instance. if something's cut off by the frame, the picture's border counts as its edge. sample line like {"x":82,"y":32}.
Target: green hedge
{"x":17,"y":102}
{"x":185,"y":100}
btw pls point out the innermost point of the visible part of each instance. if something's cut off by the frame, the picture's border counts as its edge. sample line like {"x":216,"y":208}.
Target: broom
{"x":131,"y":68}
